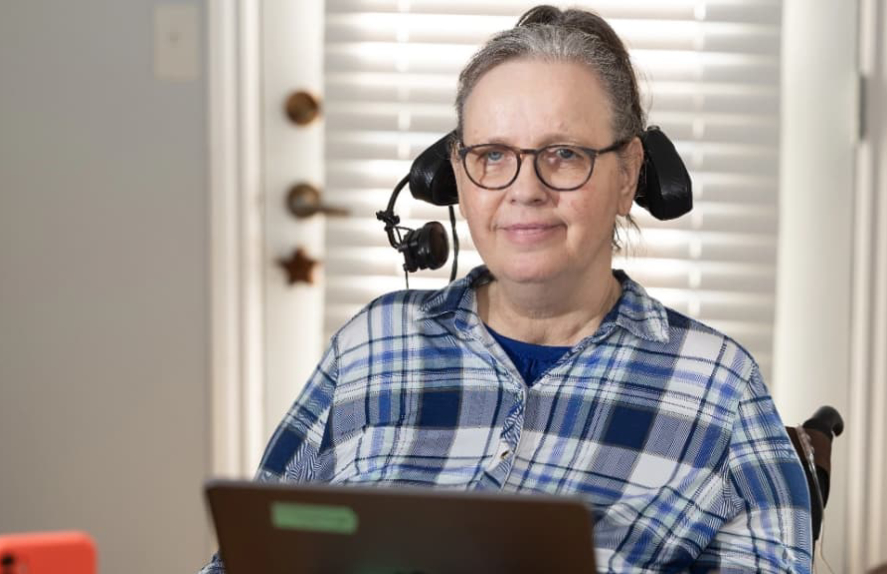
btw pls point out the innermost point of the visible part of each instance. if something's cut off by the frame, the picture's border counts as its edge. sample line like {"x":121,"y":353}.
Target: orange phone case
{"x":47,"y":553}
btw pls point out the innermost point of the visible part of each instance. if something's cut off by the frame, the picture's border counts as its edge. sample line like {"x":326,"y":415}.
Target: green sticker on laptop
{"x":313,"y":518}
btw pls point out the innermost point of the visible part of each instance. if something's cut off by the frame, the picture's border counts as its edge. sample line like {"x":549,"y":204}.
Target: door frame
{"x":249,"y":387}
{"x":867,"y":504}
{"x":236,"y":249}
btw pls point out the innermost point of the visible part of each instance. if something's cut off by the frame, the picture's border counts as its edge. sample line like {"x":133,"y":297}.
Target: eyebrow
{"x":549,"y":139}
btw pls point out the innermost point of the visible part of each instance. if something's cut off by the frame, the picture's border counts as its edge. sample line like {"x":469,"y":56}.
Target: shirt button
{"x":505,"y":454}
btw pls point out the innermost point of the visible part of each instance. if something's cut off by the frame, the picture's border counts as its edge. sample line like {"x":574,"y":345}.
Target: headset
{"x":664,"y":189}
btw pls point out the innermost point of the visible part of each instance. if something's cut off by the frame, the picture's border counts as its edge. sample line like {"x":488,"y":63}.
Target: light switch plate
{"x":175,"y":42}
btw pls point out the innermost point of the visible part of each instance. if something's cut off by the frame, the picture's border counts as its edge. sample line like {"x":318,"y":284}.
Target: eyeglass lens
{"x":560,"y":167}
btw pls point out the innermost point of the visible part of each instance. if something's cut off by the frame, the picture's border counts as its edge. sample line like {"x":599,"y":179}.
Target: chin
{"x":527,"y":269}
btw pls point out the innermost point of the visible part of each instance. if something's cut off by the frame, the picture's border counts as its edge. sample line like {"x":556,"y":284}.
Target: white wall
{"x":814,"y":281}
{"x":103,"y":285}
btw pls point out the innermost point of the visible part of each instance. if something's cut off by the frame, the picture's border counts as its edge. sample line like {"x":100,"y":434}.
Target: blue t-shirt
{"x":531,"y":360}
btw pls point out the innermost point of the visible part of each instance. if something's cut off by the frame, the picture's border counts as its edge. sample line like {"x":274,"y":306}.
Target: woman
{"x":546,"y":370}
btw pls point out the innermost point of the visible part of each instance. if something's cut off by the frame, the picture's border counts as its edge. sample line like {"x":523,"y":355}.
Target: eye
{"x":565,"y":153}
{"x":493,"y":155}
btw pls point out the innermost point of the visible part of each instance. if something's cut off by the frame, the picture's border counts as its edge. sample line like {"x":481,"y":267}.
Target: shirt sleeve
{"x":769,"y":529}
{"x":215,"y":566}
{"x":292,"y":452}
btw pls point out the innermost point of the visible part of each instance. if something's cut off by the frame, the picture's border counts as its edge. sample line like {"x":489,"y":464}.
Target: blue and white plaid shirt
{"x":663,"y":424}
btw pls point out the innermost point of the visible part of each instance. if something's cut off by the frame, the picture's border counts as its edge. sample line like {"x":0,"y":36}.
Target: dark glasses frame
{"x":464,"y":150}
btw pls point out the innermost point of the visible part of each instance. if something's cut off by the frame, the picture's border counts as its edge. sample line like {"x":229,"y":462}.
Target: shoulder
{"x":409,"y":313}
{"x":393,"y":314}
{"x":693,"y":352}
{"x":694,"y":339}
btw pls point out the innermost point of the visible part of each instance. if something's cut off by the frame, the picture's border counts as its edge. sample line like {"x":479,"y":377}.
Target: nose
{"x":528,"y":188}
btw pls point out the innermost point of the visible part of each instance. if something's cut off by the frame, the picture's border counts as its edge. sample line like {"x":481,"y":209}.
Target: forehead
{"x":530,"y":102}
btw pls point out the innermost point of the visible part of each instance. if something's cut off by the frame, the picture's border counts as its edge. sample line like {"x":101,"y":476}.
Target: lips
{"x":530,"y":232}
{"x":528,"y":226}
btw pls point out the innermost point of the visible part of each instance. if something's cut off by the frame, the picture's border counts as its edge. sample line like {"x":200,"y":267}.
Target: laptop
{"x":324,"y":529}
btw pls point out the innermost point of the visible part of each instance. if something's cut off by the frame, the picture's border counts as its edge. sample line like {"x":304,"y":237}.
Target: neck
{"x":548,"y":313}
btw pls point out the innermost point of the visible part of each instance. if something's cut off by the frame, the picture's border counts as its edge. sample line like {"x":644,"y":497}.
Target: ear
{"x":632,"y":159}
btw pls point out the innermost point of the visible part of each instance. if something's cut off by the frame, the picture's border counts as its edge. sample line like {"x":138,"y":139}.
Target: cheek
{"x":473,"y":213}
{"x":581,"y":207}
{"x":591,"y":210}
{"x":461,"y":187}
{"x":476,"y":207}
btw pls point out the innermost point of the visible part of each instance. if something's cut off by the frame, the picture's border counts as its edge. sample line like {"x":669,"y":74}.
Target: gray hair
{"x":547,"y":33}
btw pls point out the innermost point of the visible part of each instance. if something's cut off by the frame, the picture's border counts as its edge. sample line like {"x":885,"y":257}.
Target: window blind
{"x":709,"y":76}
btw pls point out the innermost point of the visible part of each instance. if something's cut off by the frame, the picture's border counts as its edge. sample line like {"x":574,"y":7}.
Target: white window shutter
{"x":709,"y":73}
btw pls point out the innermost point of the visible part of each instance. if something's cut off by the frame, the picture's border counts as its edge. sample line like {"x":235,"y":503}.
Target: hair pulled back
{"x":573,"y":35}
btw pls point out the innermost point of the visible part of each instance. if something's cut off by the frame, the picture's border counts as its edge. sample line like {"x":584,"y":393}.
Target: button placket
{"x":503,"y":460}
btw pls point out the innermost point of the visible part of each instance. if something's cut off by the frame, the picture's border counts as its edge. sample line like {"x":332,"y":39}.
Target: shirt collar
{"x":636,"y":312}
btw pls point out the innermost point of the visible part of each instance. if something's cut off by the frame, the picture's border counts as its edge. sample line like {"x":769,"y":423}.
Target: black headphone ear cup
{"x":664,"y":186}
{"x":432,"y":178}
{"x":425,"y":248}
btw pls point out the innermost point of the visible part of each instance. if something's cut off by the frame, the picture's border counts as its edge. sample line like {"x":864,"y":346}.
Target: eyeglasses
{"x":559,"y":166}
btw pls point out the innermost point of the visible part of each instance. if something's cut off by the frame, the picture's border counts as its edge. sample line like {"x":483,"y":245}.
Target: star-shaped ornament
{"x":299,"y":267}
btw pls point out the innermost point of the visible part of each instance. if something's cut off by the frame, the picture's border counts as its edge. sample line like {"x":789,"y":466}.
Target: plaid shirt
{"x":663,"y":424}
